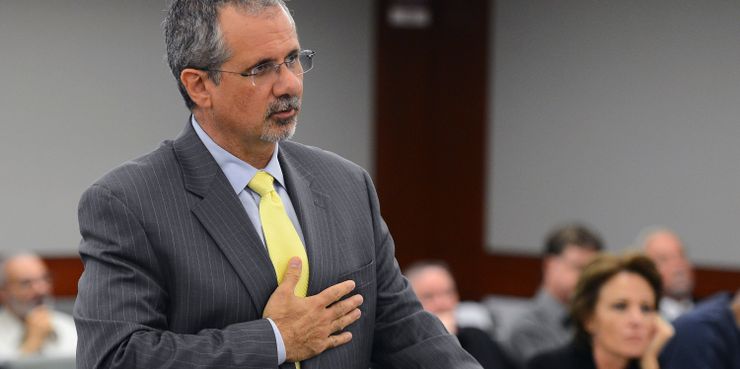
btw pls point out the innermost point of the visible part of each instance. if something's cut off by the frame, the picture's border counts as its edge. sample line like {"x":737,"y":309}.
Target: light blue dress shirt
{"x":239,"y":173}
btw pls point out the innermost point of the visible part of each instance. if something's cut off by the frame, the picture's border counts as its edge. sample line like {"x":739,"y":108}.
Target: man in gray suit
{"x":178,"y":256}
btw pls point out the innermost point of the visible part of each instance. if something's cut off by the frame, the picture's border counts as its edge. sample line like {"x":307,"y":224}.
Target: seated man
{"x":28,"y":324}
{"x":707,"y":337}
{"x":435,"y":287}
{"x":546,"y":325}
{"x":667,"y":252}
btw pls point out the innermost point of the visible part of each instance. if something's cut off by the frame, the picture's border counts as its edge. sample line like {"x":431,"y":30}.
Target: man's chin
{"x":21,"y":309}
{"x":279,"y":131}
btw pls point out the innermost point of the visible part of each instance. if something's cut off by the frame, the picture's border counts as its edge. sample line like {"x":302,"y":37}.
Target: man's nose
{"x":41,"y":286}
{"x":287,"y":82}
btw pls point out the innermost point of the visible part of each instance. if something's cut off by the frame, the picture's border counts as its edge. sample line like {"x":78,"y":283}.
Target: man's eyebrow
{"x":262,"y":61}
{"x":271,"y":60}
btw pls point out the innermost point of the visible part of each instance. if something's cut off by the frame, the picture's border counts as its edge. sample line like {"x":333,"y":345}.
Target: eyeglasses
{"x":27,"y":283}
{"x":298,"y":63}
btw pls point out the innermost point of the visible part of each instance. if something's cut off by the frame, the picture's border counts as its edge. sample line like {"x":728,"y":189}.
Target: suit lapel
{"x":311,"y":204}
{"x":224,"y":218}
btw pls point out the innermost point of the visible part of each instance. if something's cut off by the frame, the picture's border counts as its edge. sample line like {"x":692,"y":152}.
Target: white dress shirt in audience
{"x":671,"y":308}
{"x":63,"y":342}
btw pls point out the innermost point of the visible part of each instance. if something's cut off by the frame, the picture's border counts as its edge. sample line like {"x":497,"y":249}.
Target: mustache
{"x":283,"y":103}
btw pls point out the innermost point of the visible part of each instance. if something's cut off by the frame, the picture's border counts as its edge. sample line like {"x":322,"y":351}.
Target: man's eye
{"x":291,"y":59}
{"x":260,"y":69}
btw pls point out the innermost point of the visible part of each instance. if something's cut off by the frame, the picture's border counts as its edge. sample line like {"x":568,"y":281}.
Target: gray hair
{"x":5,"y":258}
{"x":649,"y":232}
{"x":194,"y":39}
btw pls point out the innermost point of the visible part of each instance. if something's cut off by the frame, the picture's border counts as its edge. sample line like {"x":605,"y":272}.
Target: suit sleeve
{"x":121,"y":308}
{"x":405,"y":335}
{"x":483,"y":348}
{"x":694,"y":347}
{"x":526,"y":340}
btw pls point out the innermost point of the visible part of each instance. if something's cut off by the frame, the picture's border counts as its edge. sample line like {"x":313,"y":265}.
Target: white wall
{"x":619,"y":113}
{"x":85,"y":87}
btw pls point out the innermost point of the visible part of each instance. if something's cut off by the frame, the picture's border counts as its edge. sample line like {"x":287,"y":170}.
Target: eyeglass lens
{"x":303,"y":65}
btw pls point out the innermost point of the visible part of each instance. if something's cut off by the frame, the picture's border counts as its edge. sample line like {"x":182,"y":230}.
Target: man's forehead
{"x":579,"y":250}
{"x":435,"y":274}
{"x":664,"y":243}
{"x":24,"y":266}
{"x":270,"y":29}
{"x":231,"y":14}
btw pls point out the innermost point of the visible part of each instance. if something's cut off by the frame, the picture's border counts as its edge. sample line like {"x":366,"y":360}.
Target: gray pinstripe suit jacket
{"x":176,"y":277}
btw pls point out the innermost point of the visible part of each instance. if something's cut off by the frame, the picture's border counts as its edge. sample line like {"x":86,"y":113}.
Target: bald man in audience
{"x":435,"y":287}
{"x":29,"y":326}
{"x":666,"y":250}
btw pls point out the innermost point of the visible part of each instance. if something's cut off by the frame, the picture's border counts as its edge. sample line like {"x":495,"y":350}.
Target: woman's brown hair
{"x":596,"y":274}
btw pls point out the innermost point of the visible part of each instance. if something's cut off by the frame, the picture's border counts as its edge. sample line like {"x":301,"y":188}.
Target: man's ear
{"x":195,"y":82}
{"x":547,"y":263}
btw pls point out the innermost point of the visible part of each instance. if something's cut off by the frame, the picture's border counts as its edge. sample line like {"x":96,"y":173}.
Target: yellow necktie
{"x":281,"y":237}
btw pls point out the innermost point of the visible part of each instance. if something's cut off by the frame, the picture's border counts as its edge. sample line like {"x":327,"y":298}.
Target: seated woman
{"x":614,"y":312}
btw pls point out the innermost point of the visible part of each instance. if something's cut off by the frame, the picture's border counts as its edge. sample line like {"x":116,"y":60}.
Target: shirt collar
{"x":237,"y":171}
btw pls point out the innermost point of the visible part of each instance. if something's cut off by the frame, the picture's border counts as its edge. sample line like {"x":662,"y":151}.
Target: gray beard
{"x":21,"y":309}
{"x":280,"y":129}
{"x":276,"y":132}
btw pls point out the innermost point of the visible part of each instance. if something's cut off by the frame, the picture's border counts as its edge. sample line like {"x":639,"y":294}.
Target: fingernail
{"x":295,"y":262}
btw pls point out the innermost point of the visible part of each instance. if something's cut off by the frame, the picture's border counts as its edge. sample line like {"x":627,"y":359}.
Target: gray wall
{"x":85,"y":87}
{"x":620,"y":113}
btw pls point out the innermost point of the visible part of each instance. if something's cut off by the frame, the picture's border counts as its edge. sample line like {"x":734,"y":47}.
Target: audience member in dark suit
{"x":544,"y":326}
{"x":435,"y":287}
{"x":231,"y":247}
{"x":614,"y":311}
{"x":708,"y":337}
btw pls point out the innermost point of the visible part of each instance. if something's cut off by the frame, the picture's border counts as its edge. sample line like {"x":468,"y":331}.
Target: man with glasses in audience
{"x":546,"y":325}
{"x":233,"y":247}
{"x":30,"y":327}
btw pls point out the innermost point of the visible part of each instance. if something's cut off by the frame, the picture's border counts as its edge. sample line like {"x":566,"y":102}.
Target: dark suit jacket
{"x":706,"y":338}
{"x":176,"y":276}
{"x":483,"y":348}
{"x":572,"y":356}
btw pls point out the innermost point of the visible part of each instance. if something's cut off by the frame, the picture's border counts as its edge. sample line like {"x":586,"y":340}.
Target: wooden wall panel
{"x":65,"y":272}
{"x":502,"y":274}
{"x":430,"y":97}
